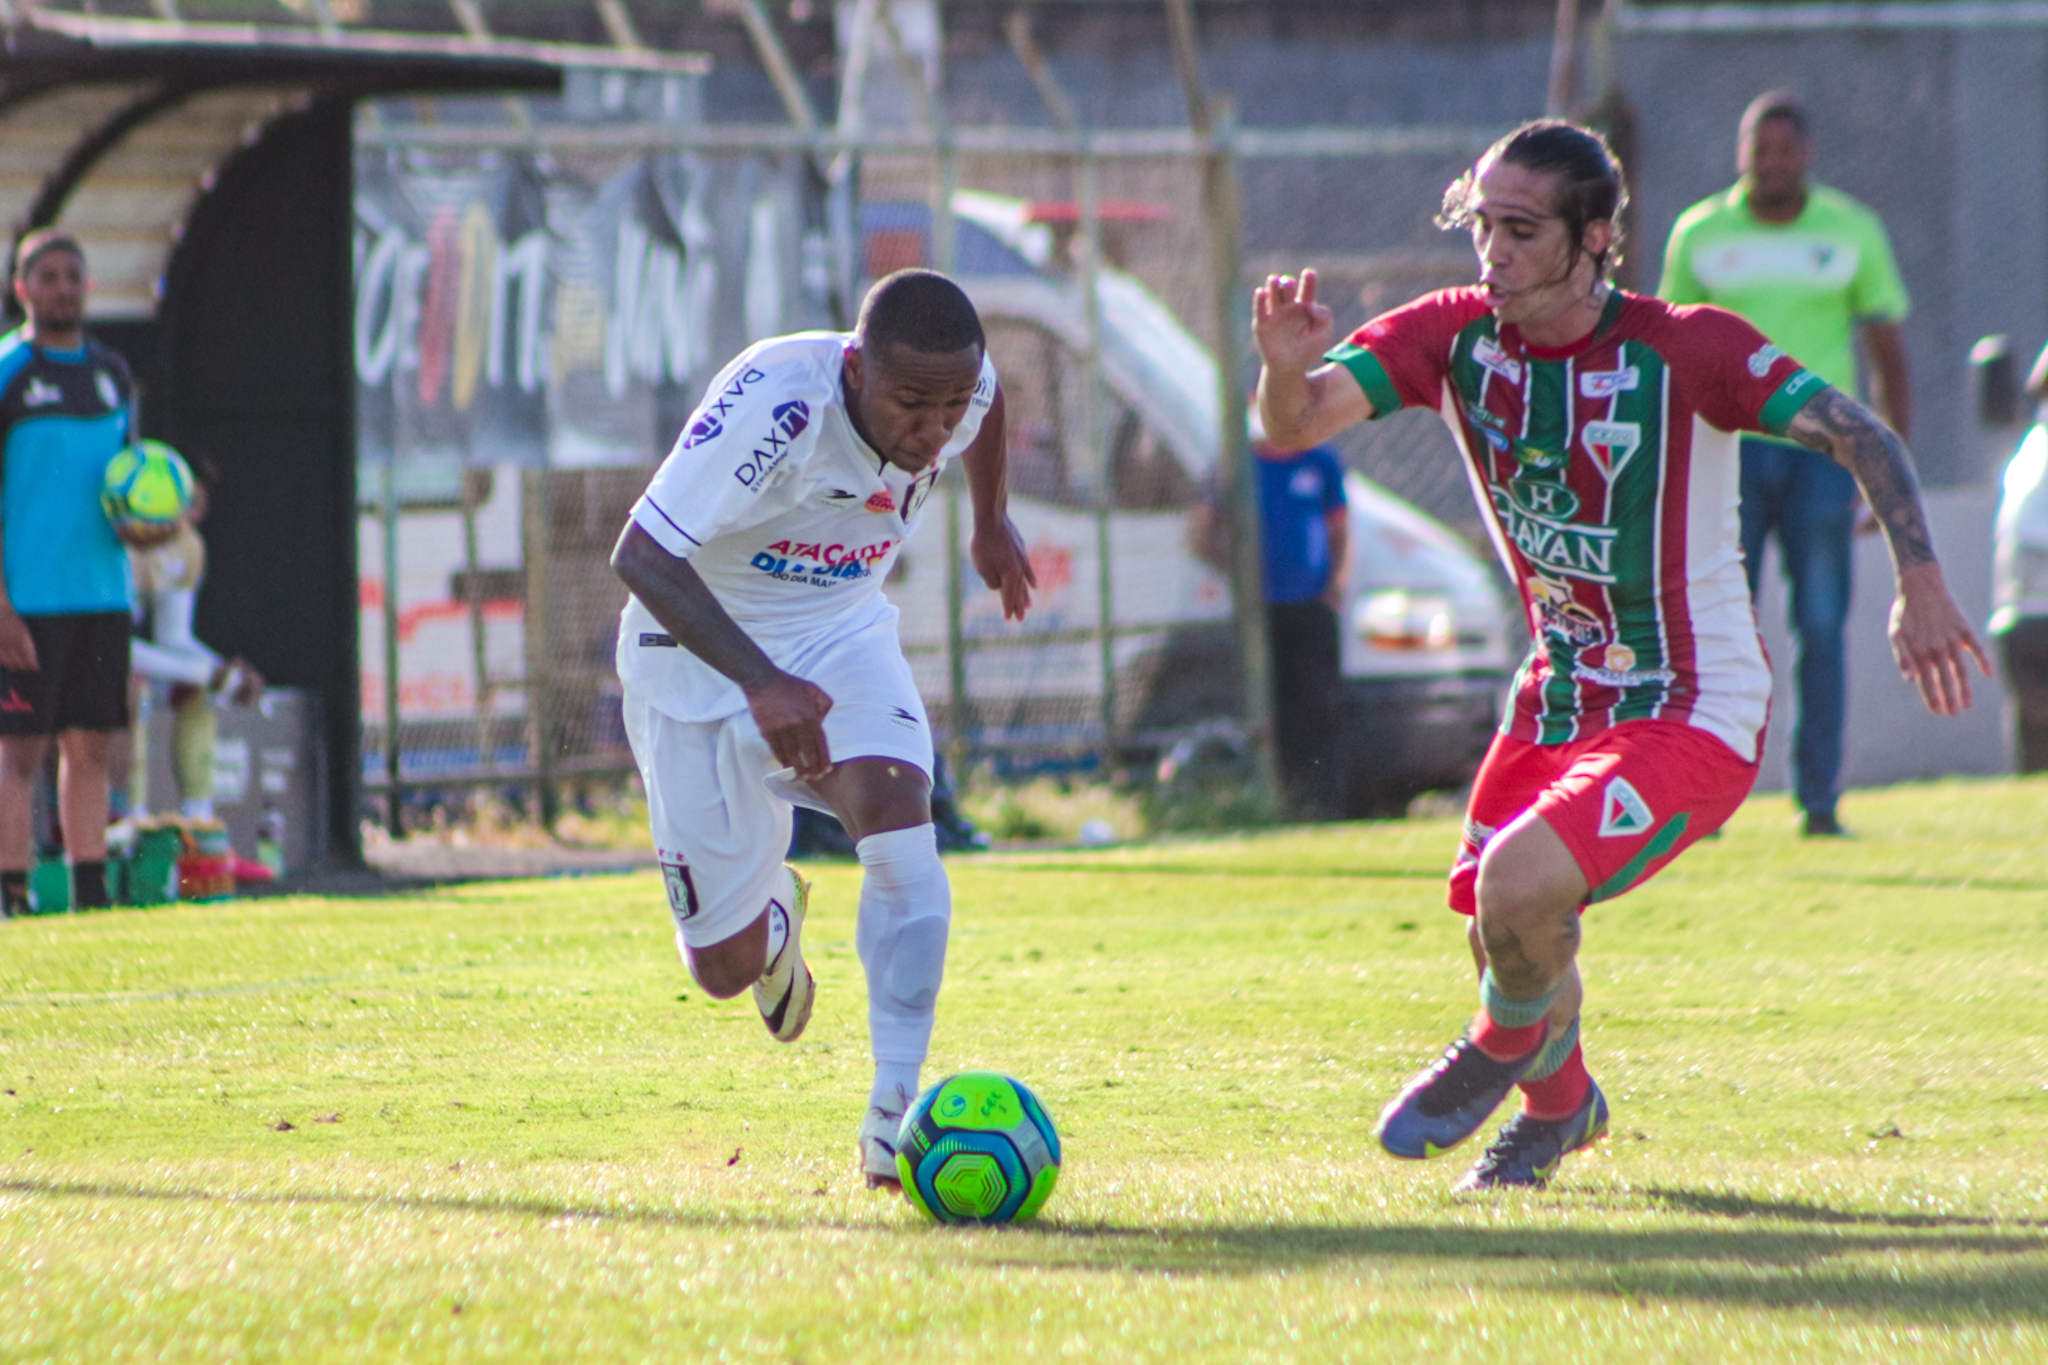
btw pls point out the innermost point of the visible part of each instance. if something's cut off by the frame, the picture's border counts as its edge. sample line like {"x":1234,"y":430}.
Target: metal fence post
{"x":534,"y":529}
{"x":945,"y":239}
{"x":1098,"y":455}
{"x":473,"y":601}
{"x":1247,"y":577}
{"x":387,"y":510}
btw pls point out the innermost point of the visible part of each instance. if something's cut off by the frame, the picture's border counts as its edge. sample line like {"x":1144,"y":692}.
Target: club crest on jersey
{"x":1607,"y":383}
{"x":681,"y":887}
{"x":1766,"y":356}
{"x":1623,"y":812}
{"x":1487,"y":352}
{"x":1611,"y":443}
{"x":104,"y":384}
{"x":880,"y":502}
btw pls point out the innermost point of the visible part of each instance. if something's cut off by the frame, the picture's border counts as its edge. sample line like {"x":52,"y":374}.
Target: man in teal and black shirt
{"x":65,"y":593}
{"x":1811,"y":269}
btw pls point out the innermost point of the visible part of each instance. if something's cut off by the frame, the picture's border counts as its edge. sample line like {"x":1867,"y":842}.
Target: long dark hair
{"x":1589,"y":183}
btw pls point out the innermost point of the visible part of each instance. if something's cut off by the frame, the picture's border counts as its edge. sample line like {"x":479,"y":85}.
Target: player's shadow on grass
{"x":1983,"y":1276}
{"x":1742,"y":1206}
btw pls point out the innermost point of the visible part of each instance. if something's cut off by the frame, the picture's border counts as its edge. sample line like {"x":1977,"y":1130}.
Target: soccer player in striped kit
{"x":1600,"y":431}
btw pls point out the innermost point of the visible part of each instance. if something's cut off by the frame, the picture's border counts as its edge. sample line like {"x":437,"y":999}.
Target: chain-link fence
{"x":533,"y":326}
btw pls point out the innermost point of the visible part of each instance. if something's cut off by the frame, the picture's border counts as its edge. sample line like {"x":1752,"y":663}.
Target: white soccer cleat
{"x":786,"y":990}
{"x":878,"y":1149}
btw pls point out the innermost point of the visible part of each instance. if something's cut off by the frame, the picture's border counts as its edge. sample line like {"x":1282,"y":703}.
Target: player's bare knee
{"x":877,"y":795}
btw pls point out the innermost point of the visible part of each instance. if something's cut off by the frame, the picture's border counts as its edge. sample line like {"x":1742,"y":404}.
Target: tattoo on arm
{"x":1844,"y":430}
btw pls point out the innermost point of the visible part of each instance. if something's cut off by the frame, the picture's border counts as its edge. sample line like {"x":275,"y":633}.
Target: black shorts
{"x":81,"y":679}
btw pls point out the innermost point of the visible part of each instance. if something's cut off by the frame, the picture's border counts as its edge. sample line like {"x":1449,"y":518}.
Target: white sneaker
{"x":878,"y":1149}
{"x":786,"y":990}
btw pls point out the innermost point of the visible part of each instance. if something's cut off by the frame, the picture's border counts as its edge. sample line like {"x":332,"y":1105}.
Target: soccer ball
{"x":978,"y":1148}
{"x":147,"y":484}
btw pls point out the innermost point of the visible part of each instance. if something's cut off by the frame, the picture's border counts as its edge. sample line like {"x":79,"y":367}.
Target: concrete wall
{"x":1944,"y":134}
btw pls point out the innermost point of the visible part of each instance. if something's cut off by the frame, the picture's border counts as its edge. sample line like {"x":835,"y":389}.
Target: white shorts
{"x":720,"y":805}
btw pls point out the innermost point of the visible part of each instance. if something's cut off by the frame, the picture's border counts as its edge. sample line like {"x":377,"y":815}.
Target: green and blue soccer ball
{"x":148,"y":485}
{"x":978,"y":1148}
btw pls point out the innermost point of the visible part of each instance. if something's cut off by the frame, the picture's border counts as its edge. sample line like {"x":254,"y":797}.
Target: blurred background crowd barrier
{"x":541,"y":299}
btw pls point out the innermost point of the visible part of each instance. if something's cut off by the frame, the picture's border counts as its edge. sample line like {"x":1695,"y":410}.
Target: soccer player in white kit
{"x":761,"y":665}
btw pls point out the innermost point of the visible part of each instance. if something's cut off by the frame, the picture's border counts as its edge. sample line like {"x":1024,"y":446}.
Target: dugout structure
{"x":206,"y":169}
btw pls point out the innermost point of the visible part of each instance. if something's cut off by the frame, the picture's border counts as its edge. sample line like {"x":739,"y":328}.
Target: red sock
{"x":1558,"y":1095}
{"x":1502,"y":1043}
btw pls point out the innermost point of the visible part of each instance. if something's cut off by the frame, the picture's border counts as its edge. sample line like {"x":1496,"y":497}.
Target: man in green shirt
{"x":1811,"y":268}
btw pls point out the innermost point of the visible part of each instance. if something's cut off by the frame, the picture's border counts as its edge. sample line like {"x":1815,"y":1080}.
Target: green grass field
{"x":498,"y":1122}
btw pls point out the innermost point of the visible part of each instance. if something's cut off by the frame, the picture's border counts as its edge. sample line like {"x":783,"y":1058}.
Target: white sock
{"x":906,"y":905}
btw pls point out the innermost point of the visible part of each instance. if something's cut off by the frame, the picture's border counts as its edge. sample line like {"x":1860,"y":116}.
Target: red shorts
{"x":1625,"y":801}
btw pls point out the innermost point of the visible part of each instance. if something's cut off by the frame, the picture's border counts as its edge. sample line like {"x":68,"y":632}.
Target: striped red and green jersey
{"x":1609,"y":476}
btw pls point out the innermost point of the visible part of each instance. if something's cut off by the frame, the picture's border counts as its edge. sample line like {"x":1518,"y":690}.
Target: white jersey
{"x":785,"y":512}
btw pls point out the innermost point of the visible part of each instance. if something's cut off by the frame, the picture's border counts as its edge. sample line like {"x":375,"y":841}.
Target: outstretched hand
{"x":1933,"y":642}
{"x":1292,"y":330}
{"x":1004,"y":565}
{"x":790,"y":714}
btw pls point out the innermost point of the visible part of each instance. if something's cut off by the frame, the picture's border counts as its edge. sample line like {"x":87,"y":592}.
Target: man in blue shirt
{"x":1304,"y":546}
{"x":65,"y":592}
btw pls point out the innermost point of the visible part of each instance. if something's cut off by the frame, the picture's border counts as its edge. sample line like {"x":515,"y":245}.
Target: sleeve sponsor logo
{"x":721,"y":404}
{"x":1607,"y":383}
{"x":710,"y":422}
{"x":764,"y":459}
{"x":792,"y":417}
{"x":1766,"y":356}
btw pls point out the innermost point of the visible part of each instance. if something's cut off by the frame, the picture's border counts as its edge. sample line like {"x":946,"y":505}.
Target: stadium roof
{"x":113,"y":124}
